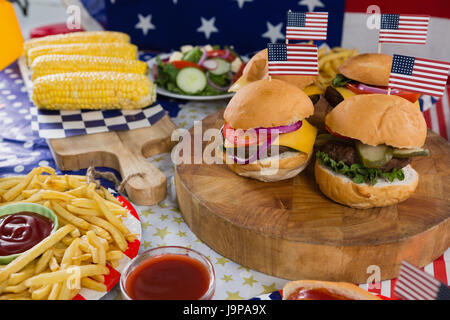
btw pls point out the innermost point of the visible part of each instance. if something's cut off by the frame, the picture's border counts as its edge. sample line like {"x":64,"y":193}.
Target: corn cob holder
{"x":107,"y":76}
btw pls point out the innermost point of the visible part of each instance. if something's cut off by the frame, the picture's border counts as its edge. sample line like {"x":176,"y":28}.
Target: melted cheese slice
{"x":345,"y":93}
{"x":302,"y":140}
{"x":312,"y":90}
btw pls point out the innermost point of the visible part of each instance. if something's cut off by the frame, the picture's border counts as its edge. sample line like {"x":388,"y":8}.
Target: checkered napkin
{"x":54,"y":124}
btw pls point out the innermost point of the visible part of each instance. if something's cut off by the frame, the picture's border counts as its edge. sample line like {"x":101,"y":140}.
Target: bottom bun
{"x":282,"y":167}
{"x":363,"y":196}
{"x":344,"y":289}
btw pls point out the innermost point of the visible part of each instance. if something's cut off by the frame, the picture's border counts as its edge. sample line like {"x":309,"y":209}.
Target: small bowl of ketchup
{"x":168,"y":273}
{"x":22,"y":226}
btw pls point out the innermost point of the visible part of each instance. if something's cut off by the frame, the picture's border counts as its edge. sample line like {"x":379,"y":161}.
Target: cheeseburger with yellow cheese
{"x":265,"y":135}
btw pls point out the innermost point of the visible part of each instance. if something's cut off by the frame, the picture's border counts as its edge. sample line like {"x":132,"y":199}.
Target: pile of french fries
{"x":91,"y":235}
{"x":329,"y":62}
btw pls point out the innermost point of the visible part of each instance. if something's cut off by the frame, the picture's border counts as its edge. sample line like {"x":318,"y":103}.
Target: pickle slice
{"x":374,"y":157}
{"x":324,"y":138}
{"x":409,"y":153}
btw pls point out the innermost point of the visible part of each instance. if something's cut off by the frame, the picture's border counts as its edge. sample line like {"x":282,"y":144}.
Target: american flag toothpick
{"x":292,"y":59}
{"x":415,"y":284}
{"x":403,"y":28}
{"x":306,"y":25}
{"x":419,"y":75}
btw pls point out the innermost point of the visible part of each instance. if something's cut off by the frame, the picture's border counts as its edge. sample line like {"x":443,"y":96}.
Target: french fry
{"x":80,"y":258}
{"x":28,"y":256}
{"x":53,"y":264}
{"x":16,"y":288}
{"x":21,"y":276}
{"x":95,"y":241}
{"x":56,"y":195}
{"x":43,"y":261}
{"x":114,"y":255}
{"x":115,"y":221}
{"x":17,"y":189}
{"x":16,"y":296}
{"x":76,"y":221}
{"x":83,"y":211}
{"x":100,"y":278}
{"x":41,"y":293}
{"x":115,"y":233}
{"x":54,"y":292}
{"x":93,"y":285}
{"x":64,"y":274}
{"x":99,"y":231}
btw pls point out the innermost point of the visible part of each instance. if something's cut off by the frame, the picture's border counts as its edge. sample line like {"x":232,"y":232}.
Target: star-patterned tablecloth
{"x":21,"y":149}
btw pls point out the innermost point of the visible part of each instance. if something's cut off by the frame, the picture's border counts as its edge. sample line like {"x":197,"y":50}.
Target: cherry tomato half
{"x":221,"y":53}
{"x":181,"y":64}
{"x":239,"y":137}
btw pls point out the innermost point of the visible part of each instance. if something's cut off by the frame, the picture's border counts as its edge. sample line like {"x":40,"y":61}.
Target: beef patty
{"x":347,"y":153}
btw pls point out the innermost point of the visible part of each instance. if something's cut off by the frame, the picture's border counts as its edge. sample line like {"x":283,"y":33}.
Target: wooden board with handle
{"x":291,"y":230}
{"x":124,"y":151}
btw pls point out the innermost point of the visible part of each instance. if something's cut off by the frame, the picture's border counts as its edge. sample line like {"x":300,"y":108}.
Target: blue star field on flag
{"x":165,"y":25}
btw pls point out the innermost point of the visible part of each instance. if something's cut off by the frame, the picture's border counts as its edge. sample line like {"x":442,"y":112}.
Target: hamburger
{"x":366,"y":73}
{"x":257,"y":69}
{"x":324,"y":290}
{"x":265,"y":135}
{"x":365,"y":160}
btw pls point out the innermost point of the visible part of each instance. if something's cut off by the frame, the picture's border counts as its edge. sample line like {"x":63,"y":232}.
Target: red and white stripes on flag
{"x":437,"y":114}
{"x":419,"y":75}
{"x":403,"y":28}
{"x":292,"y":59}
{"x":306,"y":25}
{"x":415,"y":284}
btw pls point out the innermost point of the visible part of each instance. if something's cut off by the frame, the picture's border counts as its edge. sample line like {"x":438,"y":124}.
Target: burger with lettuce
{"x":365,"y":159}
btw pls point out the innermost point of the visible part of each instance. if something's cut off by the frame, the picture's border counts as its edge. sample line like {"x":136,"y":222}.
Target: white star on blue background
{"x":145,"y":23}
{"x":273,"y":32}
{"x":242,"y":2}
{"x":207,"y":27}
{"x":311,"y":4}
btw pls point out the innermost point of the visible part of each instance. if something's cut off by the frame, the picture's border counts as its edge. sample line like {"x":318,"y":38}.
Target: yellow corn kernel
{"x":120,"y":50}
{"x":59,"y":63}
{"x":77,"y":37}
{"x":93,"y":90}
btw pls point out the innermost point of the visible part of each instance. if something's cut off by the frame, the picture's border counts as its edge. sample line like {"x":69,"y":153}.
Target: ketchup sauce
{"x":168,"y":277}
{"x":315,"y":294}
{"x":21,"y":231}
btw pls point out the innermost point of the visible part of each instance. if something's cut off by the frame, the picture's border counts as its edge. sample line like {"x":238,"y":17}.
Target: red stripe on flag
{"x":393,"y":284}
{"x":112,"y":278}
{"x":372,"y":287}
{"x":427,"y":116}
{"x":440,"y":272}
{"x":79,"y":297}
{"x":441,"y":119}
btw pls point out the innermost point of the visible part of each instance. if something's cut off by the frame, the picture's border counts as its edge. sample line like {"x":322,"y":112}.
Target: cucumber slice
{"x":374,"y":157}
{"x":223,"y":66}
{"x":409,"y":153}
{"x":191,"y":80}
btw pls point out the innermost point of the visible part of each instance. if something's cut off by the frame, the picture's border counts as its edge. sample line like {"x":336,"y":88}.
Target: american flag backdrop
{"x":292,"y":59}
{"x":419,"y":75}
{"x":306,"y":25}
{"x":403,"y":28}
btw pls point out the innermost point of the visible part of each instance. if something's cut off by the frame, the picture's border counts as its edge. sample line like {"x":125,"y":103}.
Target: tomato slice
{"x":408,"y":95}
{"x":239,"y":137}
{"x":221,"y":53}
{"x":181,"y":64}
{"x":337,"y":134}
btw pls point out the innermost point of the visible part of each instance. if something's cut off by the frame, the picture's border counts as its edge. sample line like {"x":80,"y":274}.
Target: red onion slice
{"x":210,"y":64}
{"x":215,"y":86}
{"x":202,"y":59}
{"x":227,"y":54}
{"x":370,"y":89}
{"x":283,"y":129}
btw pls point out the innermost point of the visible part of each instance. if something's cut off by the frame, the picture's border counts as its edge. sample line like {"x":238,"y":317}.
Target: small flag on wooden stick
{"x":415,"y":284}
{"x":419,"y":75}
{"x":403,"y":28}
{"x":306,"y":25}
{"x":292,"y":59}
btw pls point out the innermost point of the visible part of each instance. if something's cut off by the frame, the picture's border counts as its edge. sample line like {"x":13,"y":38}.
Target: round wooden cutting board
{"x":291,"y":230}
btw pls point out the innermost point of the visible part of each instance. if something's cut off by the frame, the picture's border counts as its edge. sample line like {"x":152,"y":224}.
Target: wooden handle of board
{"x":148,"y":189}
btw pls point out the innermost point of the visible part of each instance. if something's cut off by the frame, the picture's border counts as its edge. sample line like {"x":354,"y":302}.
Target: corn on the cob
{"x":93,"y":90}
{"x":58,"y":63}
{"x":120,"y":50}
{"x":77,"y":37}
